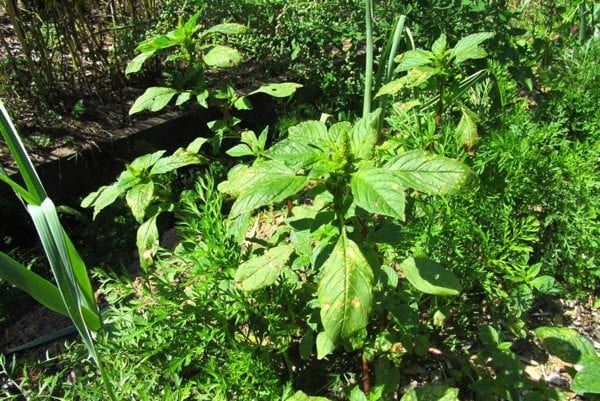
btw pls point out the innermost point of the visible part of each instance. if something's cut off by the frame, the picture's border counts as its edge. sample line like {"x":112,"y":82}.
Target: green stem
{"x":369,"y":58}
{"x":385,"y":75}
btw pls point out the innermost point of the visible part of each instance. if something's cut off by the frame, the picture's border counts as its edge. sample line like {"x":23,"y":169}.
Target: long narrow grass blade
{"x":50,"y":231}
{"x":22,"y":192}
{"x":39,"y":288}
{"x":52,"y":235}
{"x":17,"y":149}
{"x":80,"y":273}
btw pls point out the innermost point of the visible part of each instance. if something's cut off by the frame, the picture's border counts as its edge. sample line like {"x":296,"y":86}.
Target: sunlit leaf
{"x":226,"y":29}
{"x":345,"y":290}
{"x":263,"y":270}
{"x":428,"y":172}
{"x":283,"y":89}
{"x":468,"y":47}
{"x":147,"y":241}
{"x":153,"y":99}
{"x":430,"y":277}
{"x":222,"y":57}
{"x":363,"y":136}
{"x":136,"y":64}
{"x":567,"y":344}
{"x":379,"y":191}
{"x":139,"y":198}
{"x":587,"y":380}
{"x":431,"y":392}
{"x":413,"y":58}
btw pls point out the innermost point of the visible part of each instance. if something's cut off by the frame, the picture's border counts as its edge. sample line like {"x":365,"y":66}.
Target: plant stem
{"x":366,"y":376}
{"x":386,"y":75}
{"x":369,"y":58}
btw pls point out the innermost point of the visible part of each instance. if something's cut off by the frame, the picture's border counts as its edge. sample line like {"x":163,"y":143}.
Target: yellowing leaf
{"x":262,"y":271}
{"x":379,"y":191}
{"x":139,"y":198}
{"x":345,"y":290}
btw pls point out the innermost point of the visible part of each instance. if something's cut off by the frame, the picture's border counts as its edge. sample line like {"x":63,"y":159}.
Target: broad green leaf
{"x":430,"y":277}
{"x":391,"y":87}
{"x":363,"y":136}
{"x":139,"y":198}
{"x":202,"y":98}
{"x":240,"y":150}
{"x":567,"y":344}
{"x":345,"y":290}
{"x":226,"y":29}
{"x":439,"y":47}
{"x":466,"y":131}
{"x":468,"y":47}
{"x":325,"y":345}
{"x":294,"y":154}
{"x":431,"y":392}
{"x":242,"y":103}
{"x":180,"y":158}
{"x":357,"y":395}
{"x":379,"y":191}
{"x":428,"y":172}
{"x":136,"y":64}
{"x":547,"y":285}
{"x":222,"y":57}
{"x":196,"y":144}
{"x":37,"y":287}
{"x":520,"y":299}
{"x":587,"y":380}
{"x":413,"y":58}
{"x":312,"y":131}
{"x":156,"y":43}
{"x":419,"y":75}
{"x":262,"y":184}
{"x":146,"y":161}
{"x":264,"y":270}
{"x":153,"y":99}
{"x":413,"y":78}
{"x":183,"y":97}
{"x":106,"y":195}
{"x":147,"y":241}
{"x":283,"y":89}
{"x":301,"y":396}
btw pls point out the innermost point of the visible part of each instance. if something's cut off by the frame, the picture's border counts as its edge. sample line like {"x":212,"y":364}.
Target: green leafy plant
{"x":573,"y":348}
{"x":72,"y":295}
{"x":195,"y":53}
{"x":350,"y":178}
{"x":441,"y":65}
{"x":146,"y":186}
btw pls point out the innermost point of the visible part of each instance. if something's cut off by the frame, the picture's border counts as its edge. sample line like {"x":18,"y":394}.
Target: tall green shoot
{"x":72,"y":295}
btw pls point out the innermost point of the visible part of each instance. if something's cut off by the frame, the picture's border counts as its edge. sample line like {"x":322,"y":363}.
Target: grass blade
{"x":39,"y":288}
{"x":17,"y":149}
